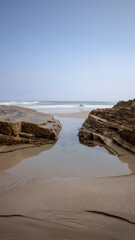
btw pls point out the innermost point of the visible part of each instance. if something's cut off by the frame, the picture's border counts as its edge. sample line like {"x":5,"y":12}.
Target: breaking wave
{"x":60,"y":106}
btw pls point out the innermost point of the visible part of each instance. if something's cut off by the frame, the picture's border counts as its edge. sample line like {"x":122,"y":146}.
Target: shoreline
{"x":49,"y":208}
{"x":83,"y":114}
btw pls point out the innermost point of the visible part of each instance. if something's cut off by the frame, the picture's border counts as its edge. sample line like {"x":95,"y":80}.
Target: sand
{"x":67,"y":208}
{"x":83,"y":114}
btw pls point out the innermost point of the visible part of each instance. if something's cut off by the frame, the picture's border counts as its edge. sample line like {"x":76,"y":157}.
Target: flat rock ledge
{"x":111,"y":127}
{"x":23,"y":125}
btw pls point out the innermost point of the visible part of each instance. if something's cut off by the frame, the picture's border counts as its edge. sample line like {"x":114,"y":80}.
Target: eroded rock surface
{"x":111,"y":126}
{"x":24,"y":125}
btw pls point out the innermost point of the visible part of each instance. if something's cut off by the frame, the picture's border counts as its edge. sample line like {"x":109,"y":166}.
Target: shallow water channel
{"x":65,"y":159}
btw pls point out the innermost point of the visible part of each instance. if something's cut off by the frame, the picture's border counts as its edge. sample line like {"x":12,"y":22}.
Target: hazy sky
{"x":67,"y":49}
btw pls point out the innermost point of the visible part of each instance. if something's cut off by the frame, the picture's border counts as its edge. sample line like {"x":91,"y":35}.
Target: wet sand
{"x":102,"y":208}
{"x":83,"y":114}
{"x":54,"y":208}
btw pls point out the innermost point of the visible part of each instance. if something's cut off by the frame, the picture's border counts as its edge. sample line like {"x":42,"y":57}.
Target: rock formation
{"x":24,"y":125}
{"x":111,"y":126}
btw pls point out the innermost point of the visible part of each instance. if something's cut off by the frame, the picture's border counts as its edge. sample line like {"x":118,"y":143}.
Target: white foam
{"x":70,"y":106}
{"x":18,"y":103}
{"x":63,"y":107}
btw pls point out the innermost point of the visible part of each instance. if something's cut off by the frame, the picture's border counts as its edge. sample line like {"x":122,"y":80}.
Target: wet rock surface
{"x":24,"y":125}
{"x":111,"y":126}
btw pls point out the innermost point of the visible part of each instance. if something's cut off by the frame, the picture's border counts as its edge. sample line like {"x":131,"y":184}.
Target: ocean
{"x":60,"y":106}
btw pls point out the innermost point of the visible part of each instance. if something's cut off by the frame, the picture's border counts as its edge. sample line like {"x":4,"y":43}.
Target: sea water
{"x":61,"y":106}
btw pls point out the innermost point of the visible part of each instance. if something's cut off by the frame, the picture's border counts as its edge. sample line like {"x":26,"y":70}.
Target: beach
{"x":67,"y":120}
{"x":69,"y":209}
{"x":57,"y":192}
{"x":82,"y":115}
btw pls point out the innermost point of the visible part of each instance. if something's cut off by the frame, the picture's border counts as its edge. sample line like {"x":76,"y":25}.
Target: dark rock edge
{"x":20,"y":131}
{"x":110,"y":127}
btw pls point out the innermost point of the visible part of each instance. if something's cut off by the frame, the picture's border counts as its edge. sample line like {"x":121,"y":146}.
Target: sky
{"x":67,"y":50}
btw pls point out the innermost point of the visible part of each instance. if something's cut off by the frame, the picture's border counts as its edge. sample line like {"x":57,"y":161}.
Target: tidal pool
{"x":65,"y":159}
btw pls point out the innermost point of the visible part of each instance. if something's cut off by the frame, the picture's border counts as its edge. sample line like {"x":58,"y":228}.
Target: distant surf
{"x":60,"y":106}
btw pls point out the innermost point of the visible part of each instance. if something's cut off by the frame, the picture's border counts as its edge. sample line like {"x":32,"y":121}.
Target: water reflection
{"x":124,"y":156}
{"x":130,"y":160}
{"x":11,"y":159}
{"x":66,"y":158}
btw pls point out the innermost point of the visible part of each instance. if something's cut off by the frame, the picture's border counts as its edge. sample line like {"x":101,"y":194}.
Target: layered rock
{"x":24,"y":125}
{"x":110,"y":126}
